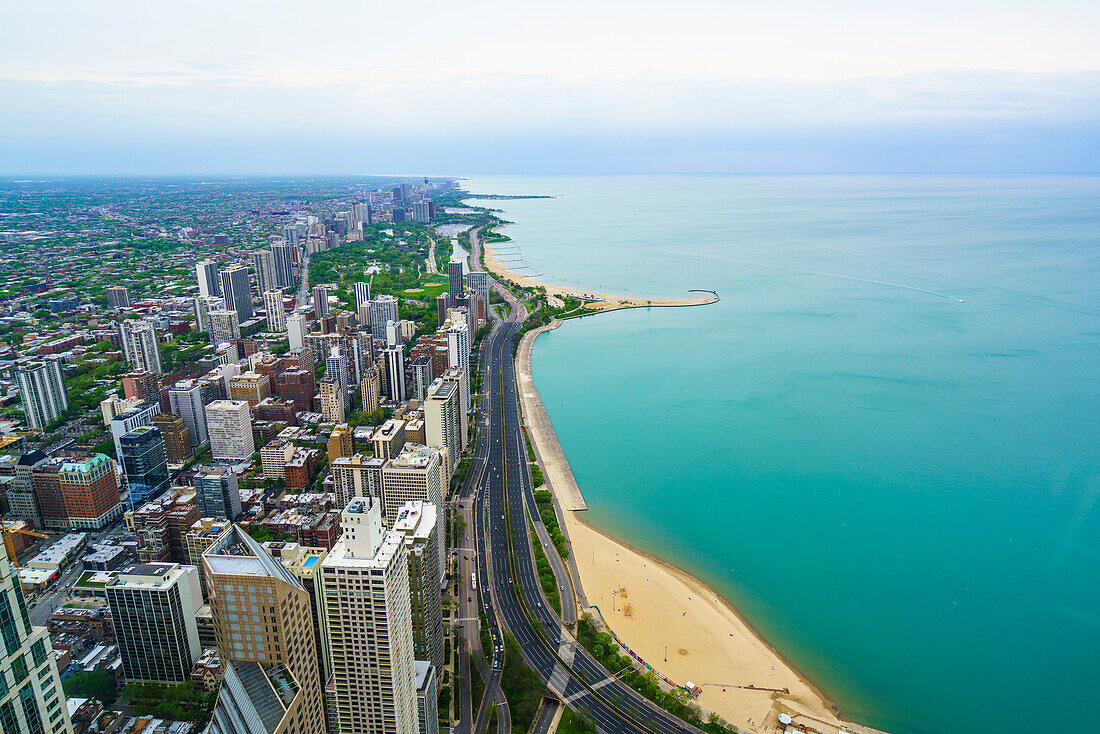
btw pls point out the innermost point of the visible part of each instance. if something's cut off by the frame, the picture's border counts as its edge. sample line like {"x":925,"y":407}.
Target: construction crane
{"x":9,"y":529}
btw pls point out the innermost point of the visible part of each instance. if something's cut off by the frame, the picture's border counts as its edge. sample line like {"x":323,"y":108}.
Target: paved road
{"x":515,"y":595}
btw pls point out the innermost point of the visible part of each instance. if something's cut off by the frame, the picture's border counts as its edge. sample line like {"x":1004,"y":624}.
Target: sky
{"x":450,"y":88}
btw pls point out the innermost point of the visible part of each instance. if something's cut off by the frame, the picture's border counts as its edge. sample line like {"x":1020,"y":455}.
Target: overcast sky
{"x":518,"y":87}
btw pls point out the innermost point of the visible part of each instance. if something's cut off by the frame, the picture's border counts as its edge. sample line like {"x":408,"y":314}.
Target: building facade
{"x":229,"y":423}
{"x":42,"y":387}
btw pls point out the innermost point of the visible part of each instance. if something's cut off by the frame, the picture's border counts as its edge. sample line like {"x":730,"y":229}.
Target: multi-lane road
{"x":508,"y":584}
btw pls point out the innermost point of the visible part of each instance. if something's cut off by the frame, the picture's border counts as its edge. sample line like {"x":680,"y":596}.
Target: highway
{"x":508,"y":581}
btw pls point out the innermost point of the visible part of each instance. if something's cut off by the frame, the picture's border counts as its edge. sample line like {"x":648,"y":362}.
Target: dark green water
{"x":883,"y":445}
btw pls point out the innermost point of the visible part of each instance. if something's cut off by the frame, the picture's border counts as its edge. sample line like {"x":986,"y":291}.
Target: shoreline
{"x":757,"y":682}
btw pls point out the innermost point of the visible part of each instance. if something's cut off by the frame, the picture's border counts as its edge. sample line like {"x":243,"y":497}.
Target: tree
{"x":96,"y":684}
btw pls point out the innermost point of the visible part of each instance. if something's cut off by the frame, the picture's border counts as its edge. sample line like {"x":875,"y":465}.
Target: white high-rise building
{"x":276,"y":312}
{"x":45,"y":396}
{"x":382,"y":309}
{"x":139,"y":345}
{"x":394,"y":335}
{"x":153,"y":609}
{"x":414,"y":474}
{"x":185,"y":399}
{"x":224,"y":326}
{"x":442,"y":421}
{"x":369,"y":630}
{"x":230,"y":425}
{"x":362,"y":297}
{"x":209,"y":282}
{"x":296,"y":331}
{"x":264,"y":264}
{"x":31,"y":697}
{"x":416,"y":521}
{"x":462,"y":379}
{"x":203,"y":306}
{"x":478,"y":282}
{"x":395,"y":373}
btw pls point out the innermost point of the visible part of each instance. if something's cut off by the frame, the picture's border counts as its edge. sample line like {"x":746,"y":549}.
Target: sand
{"x":658,"y":610}
{"x":413,"y":290}
{"x":605,"y":302}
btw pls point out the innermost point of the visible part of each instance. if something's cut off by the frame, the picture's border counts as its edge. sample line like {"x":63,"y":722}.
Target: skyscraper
{"x":153,"y":609}
{"x":177,"y":437}
{"x":442,"y":424}
{"x":454,"y":279}
{"x":332,"y":401}
{"x":421,"y":371}
{"x":217,"y":492}
{"x":320,"y":302}
{"x":478,"y":282}
{"x":370,"y":389}
{"x":416,"y":521}
{"x":382,"y":309}
{"x":362,"y":297}
{"x":283,"y":256}
{"x":230,"y":425}
{"x":118,"y":296}
{"x":144,"y":460}
{"x":296,"y":331}
{"x":395,"y":373}
{"x":370,"y":632}
{"x":209,"y":283}
{"x":187,"y":400}
{"x":203,"y":306}
{"x":412,"y":475}
{"x":139,"y":345}
{"x":276,"y":312}
{"x":141,"y":384}
{"x":31,"y":698}
{"x":45,"y":396}
{"x":89,"y":492}
{"x":236,"y":292}
{"x":265,"y":642}
{"x":263,"y":262}
{"x":136,"y":417}
{"x":225,"y":326}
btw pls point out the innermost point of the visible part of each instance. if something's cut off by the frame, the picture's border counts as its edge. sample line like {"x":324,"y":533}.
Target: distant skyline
{"x":494,"y":87}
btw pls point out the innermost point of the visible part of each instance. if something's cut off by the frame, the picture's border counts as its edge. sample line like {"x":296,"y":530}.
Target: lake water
{"x":883,"y":444}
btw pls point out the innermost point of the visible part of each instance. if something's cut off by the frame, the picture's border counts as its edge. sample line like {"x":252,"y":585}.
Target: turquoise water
{"x":883,"y":445}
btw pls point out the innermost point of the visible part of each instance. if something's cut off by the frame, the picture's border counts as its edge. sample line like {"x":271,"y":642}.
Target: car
{"x":469,"y":599}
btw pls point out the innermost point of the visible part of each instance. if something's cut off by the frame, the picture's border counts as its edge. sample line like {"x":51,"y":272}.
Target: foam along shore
{"x":671,"y":619}
{"x":594,"y":301}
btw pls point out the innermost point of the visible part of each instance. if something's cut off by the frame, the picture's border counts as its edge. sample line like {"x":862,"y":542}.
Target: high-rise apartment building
{"x":217,"y":492}
{"x":320,"y":302}
{"x":136,"y":417}
{"x":420,"y":373}
{"x":153,"y":608}
{"x":282,"y":255}
{"x":225,"y":326}
{"x":209,"y":282}
{"x":297,"y":385}
{"x":296,"y":331}
{"x":305,"y":563}
{"x":362,"y":297}
{"x":382,"y":309}
{"x":144,"y":460}
{"x":177,"y":437}
{"x":332,"y":401}
{"x":235,"y":291}
{"x":265,"y":642}
{"x":21,"y":497}
{"x":188,"y":399}
{"x":416,"y":522}
{"x":460,"y":378}
{"x":45,"y":396}
{"x":454,"y":280}
{"x":410,"y":476}
{"x":388,"y":440}
{"x":204,"y":305}
{"x":442,"y":422}
{"x":139,"y":345}
{"x":141,"y":384}
{"x":427,"y":697}
{"x":276,"y":311}
{"x":274,"y":456}
{"x":251,"y":387}
{"x":366,"y":585}
{"x":356,"y":476}
{"x":263,"y":262}
{"x":230,"y":425}
{"x":89,"y":492}
{"x":394,"y":359}
{"x":31,"y":698}
{"x":118,"y":296}
{"x":478,"y":282}
{"x":340,"y":442}
{"x":370,"y":389}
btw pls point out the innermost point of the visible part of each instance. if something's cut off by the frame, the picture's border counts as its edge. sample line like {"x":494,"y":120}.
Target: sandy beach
{"x":605,"y":302}
{"x":659,"y":610}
